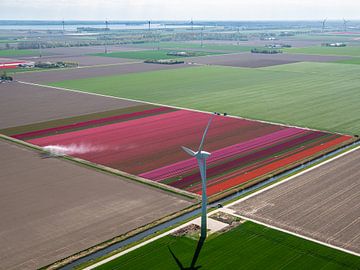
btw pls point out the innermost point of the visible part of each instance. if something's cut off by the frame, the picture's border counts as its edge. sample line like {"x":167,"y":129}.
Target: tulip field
{"x":147,"y":143}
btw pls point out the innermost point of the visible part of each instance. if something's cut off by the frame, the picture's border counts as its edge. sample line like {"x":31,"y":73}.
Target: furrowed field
{"x":315,"y":95}
{"x":249,"y":246}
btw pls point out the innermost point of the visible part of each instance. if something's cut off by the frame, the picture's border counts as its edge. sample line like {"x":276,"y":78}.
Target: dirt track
{"x":22,"y":104}
{"x":255,"y":60}
{"x":51,"y":208}
{"x":322,"y":204}
{"x":71,"y":74}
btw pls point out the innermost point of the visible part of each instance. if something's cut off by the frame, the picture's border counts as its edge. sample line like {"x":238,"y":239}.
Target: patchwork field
{"x":256,"y":60}
{"x":322,"y":204}
{"x":145,"y":141}
{"x":249,"y":246}
{"x":149,"y":54}
{"x":303,"y":94}
{"x":51,"y":208}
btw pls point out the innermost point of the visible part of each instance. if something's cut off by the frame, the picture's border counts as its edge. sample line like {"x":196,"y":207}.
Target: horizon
{"x":210,"y":10}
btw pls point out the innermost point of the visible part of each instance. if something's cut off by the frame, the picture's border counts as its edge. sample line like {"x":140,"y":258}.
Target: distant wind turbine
{"x":201,"y":157}
{"x":345,"y":24}
{"x":323,"y":25}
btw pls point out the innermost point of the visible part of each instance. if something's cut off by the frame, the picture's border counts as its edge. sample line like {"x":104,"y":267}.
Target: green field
{"x":148,"y":54}
{"x":249,"y":246}
{"x":192,"y":45}
{"x":11,"y":53}
{"x":7,"y":41}
{"x":322,"y":50}
{"x":353,"y":61}
{"x":317,"y":95}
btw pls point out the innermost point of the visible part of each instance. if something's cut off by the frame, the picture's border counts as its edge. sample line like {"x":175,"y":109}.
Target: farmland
{"x":353,"y":61}
{"x":321,"y":204}
{"x":91,"y":161}
{"x":52,"y":104}
{"x":12,"y":53}
{"x":148,"y":54}
{"x":52,"y":208}
{"x":256,"y":60}
{"x":281,"y":94}
{"x":250,"y":246}
{"x":322,"y":50}
{"x":145,"y":142}
{"x":93,"y":71}
{"x":208,"y":46}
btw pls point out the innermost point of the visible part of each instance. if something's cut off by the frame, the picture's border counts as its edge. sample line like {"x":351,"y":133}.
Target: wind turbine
{"x":323,"y":25}
{"x":201,"y":157}
{"x":105,"y":41}
{"x":345,"y":24}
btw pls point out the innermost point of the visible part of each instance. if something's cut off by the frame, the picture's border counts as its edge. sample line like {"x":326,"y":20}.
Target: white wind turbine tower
{"x":201,"y":157}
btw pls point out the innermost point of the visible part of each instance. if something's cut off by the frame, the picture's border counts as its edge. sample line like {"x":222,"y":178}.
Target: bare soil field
{"x":79,"y":73}
{"x":51,"y":208}
{"x":255,"y":60}
{"x":22,"y":104}
{"x":84,"y":60}
{"x":322,"y":204}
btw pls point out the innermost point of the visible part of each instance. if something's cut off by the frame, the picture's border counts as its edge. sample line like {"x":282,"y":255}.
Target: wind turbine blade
{"x":204,"y":135}
{"x":189,"y":151}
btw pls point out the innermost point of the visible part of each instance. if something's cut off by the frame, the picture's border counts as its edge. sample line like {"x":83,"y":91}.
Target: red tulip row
{"x":149,"y":146}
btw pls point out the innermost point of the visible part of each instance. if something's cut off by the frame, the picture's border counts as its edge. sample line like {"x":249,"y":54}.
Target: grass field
{"x":249,"y":246}
{"x":11,"y":53}
{"x":148,"y":54}
{"x":188,"y":45}
{"x":317,"y":95}
{"x":321,"y":50}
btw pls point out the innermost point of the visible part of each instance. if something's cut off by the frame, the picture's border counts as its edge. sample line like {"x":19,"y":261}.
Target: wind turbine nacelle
{"x":203,"y":154}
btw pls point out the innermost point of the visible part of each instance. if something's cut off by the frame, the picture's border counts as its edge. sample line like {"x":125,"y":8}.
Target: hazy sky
{"x":179,"y":9}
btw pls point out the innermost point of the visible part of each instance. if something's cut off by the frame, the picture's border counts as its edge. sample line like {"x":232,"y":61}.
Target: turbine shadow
{"x":194,"y":259}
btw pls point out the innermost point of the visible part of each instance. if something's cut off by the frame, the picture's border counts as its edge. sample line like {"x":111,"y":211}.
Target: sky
{"x":222,"y":10}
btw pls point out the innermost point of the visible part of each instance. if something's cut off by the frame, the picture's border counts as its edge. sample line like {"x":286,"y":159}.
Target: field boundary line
{"x":292,"y":177}
{"x":175,"y":107}
{"x":232,"y":212}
